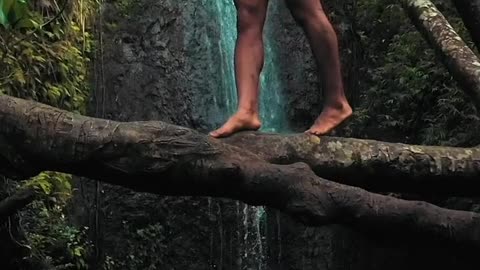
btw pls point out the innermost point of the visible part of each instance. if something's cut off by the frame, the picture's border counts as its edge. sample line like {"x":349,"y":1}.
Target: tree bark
{"x":165,"y":159}
{"x":373,"y":165}
{"x":469,"y":10}
{"x":16,"y":202}
{"x":459,"y":59}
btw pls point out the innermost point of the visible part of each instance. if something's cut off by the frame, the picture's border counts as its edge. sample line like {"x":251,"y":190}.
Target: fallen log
{"x":165,"y":159}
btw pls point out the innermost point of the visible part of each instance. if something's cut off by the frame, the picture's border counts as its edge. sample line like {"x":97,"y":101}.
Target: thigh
{"x":304,"y":5}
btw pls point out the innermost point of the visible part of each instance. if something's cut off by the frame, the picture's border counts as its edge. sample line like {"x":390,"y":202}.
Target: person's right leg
{"x":311,"y":16}
{"x":249,"y":57}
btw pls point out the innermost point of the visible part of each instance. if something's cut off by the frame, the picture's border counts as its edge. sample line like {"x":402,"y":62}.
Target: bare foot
{"x":330,"y":118}
{"x":238,"y":122}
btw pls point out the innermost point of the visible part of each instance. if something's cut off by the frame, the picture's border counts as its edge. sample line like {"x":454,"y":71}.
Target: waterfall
{"x":253,"y":219}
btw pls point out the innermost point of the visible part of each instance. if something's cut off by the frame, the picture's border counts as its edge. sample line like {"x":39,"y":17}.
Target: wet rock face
{"x":158,"y":63}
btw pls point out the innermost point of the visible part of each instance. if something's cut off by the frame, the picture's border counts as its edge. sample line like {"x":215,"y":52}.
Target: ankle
{"x":339,"y":103}
{"x":248,"y":112}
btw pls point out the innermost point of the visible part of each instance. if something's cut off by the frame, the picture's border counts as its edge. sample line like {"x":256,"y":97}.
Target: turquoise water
{"x":272,"y":113}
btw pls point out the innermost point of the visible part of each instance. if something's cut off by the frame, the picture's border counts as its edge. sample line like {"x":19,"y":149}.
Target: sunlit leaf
{"x":19,"y":76}
{"x":27,"y":23}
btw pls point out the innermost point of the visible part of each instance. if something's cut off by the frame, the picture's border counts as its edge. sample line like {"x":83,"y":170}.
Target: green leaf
{"x":18,"y":12}
{"x":27,"y":23}
{"x":4,"y":9}
{"x":19,"y":76}
{"x":14,"y":12}
{"x":78,"y":251}
{"x":45,"y":186}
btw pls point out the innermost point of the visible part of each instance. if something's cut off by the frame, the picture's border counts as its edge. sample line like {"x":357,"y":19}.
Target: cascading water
{"x":253,"y":219}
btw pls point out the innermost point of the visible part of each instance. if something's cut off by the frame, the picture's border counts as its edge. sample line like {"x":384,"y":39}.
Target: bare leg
{"x":323,"y":41}
{"x":249,"y":57}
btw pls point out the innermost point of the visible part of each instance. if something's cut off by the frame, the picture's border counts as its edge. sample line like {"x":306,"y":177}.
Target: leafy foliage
{"x":45,"y":53}
{"x":410,"y":96}
{"x":55,"y":185}
{"x":53,"y":240}
{"x":140,"y":257}
{"x":49,"y":61}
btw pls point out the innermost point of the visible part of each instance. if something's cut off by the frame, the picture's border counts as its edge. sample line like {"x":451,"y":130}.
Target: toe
{"x":315,"y":131}
{"x":311,"y":131}
{"x":217,"y":133}
{"x":222,"y":132}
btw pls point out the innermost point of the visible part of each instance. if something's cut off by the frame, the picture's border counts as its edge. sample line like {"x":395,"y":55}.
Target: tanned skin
{"x":249,"y":60}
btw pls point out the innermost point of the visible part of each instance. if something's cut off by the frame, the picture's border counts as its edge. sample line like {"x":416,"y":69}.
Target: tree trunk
{"x":469,"y":10}
{"x":165,"y":159}
{"x":459,"y":59}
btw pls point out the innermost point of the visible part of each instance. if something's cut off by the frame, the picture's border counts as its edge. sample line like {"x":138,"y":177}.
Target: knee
{"x":250,"y":16}
{"x":306,"y":15}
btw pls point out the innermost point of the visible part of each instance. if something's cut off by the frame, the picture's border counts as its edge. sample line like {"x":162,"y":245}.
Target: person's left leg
{"x":249,"y":56}
{"x":310,"y":15}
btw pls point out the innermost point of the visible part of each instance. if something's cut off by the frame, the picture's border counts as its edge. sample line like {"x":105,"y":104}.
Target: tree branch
{"x":373,"y":165}
{"x":165,"y":159}
{"x":16,"y":202}
{"x":459,"y":59}
{"x":469,"y":10}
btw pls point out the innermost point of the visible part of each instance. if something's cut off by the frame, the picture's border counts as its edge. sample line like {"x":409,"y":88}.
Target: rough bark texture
{"x":165,"y":159}
{"x":469,"y":10}
{"x":460,"y":60}
{"x":16,"y":202}
{"x":374,"y":165}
